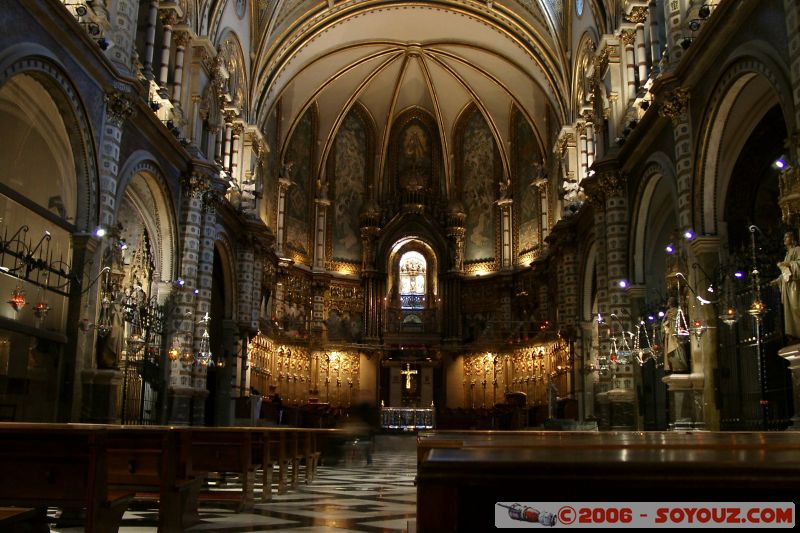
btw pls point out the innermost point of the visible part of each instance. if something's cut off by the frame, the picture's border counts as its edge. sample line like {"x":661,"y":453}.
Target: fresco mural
{"x":478,"y":187}
{"x":415,"y":160}
{"x":350,"y":165}
{"x":300,"y":155}
{"x":344,"y":326}
{"x":527,"y":166}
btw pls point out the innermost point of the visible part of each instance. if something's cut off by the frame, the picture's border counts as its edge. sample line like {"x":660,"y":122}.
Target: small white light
{"x":780,"y":164}
{"x":661,"y":314}
{"x":623,"y":284}
{"x":688,"y":235}
{"x":100,"y":231}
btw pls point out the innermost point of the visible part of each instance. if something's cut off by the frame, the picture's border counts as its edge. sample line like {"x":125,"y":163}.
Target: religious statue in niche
{"x":415,"y":158}
{"x":789,"y":282}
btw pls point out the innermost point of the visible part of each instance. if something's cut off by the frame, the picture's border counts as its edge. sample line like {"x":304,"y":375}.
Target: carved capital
{"x":638,"y":15}
{"x":675,"y":105}
{"x":628,"y":37}
{"x":169,"y":18}
{"x":237,"y":129}
{"x":183,"y":38}
{"x":211,"y":201}
{"x":119,"y":107}
{"x":612,"y":184}
{"x":195,"y":185}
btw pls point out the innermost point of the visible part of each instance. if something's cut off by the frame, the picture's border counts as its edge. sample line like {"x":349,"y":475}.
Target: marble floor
{"x":347,"y":496}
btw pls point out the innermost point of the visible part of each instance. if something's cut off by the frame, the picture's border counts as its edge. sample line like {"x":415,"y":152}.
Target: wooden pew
{"x":227,"y":450}
{"x":457,"y":486}
{"x":156,"y":462}
{"x":60,"y":465}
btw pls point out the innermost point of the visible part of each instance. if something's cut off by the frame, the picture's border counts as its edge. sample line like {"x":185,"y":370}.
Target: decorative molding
{"x":195,"y":185}
{"x":119,"y":107}
{"x":638,"y":15}
{"x":675,"y":105}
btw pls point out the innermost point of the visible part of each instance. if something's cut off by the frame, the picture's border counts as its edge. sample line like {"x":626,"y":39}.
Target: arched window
{"x":412,"y":280}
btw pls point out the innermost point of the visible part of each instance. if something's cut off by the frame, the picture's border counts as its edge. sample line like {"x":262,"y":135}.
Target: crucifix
{"x":408,"y":373}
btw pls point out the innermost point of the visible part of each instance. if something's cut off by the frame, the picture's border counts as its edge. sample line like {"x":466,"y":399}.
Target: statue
{"x":674,"y":347}
{"x":286,"y":169}
{"x":505,"y":188}
{"x":790,"y":291}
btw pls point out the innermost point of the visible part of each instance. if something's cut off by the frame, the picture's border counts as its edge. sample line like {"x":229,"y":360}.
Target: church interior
{"x":432,"y":215}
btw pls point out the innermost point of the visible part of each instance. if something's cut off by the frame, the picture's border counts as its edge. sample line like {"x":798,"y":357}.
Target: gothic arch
{"x":40,"y":64}
{"x":223,"y":247}
{"x":144,"y":183}
{"x":658,"y":178}
{"x":712,"y":170}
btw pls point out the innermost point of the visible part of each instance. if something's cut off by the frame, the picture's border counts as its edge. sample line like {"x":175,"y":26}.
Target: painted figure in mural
{"x":674,"y":342}
{"x":790,"y":291}
{"x":415,"y":158}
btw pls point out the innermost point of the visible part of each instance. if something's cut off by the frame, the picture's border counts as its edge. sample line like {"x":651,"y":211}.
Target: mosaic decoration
{"x":478,"y":183}
{"x":298,"y":205}
{"x":527,"y":167}
{"x":350,"y":153}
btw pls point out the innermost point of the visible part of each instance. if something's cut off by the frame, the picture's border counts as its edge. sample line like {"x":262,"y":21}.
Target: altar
{"x":408,"y":418}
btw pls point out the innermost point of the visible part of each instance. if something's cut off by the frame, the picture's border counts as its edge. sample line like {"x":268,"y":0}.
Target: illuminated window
{"x":412,"y":280}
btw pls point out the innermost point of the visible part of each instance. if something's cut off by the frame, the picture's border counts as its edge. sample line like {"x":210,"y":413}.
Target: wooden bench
{"x":227,"y":450}
{"x":60,"y":465}
{"x":156,"y":463}
{"x":458,"y":486}
{"x":23,"y":520}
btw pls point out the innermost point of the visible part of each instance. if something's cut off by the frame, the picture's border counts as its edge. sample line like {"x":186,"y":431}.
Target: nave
{"x":348,"y":496}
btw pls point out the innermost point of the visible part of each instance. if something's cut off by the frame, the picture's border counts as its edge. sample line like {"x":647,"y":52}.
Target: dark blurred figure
{"x":277,"y":403}
{"x":361,"y":426}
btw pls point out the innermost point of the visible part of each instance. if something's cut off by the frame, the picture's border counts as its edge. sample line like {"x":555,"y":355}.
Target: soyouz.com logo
{"x":649,"y":514}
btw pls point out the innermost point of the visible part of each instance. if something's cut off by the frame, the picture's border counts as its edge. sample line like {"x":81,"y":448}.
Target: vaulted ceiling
{"x":442,"y":56}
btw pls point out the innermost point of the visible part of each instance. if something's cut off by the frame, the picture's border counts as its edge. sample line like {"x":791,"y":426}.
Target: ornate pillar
{"x":374,"y":280}
{"x":150,"y":39}
{"x":182,"y":40}
{"x":675,"y":106}
{"x":168,"y":19}
{"x":655,"y":40}
{"x":596,"y":200}
{"x":638,"y":16}
{"x":181,"y":389}
{"x":614,"y":184}
{"x":507,"y":249}
{"x":583,"y":160}
{"x":589,"y":141}
{"x":628,"y":37}
{"x":792,"y":16}
{"x":675,"y":31}
{"x":283,"y":185}
{"x":92,"y":401}
{"x":119,"y":108}
{"x":236,"y":150}
{"x":321,"y":206}
{"x":228,"y":140}
{"x":123,"y":33}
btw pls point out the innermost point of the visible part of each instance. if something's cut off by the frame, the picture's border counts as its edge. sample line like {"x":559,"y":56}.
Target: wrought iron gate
{"x":752,"y":384}
{"x":141,"y":365}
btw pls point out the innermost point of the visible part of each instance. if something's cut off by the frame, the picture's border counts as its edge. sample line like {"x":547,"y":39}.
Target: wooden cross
{"x":408,"y":373}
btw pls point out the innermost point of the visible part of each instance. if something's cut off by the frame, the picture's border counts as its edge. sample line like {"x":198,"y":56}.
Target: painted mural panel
{"x":477,"y":168}
{"x":350,"y":167}
{"x":526,"y":169}
{"x":415,"y":157}
{"x":300,"y":155}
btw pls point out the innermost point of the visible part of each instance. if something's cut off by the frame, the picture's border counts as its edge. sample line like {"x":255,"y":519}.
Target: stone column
{"x":119,"y":108}
{"x":596,"y":200}
{"x":236,"y":150}
{"x":655,"y":40}
{"x":792,"y":355}
{"x":182,"y":40}
{"x":506,"y":250}
{"x":167,"y":21}
{"x":74,"y":400}
{"x":673,"y":13}
{"x":638,"y":16}
{"x":628,"y":37}
{"x":181,"y":388}
{"x":283,"y":185}
{"x":675,"y":106}
{"x":583,"y":160}
{"x":150,"y":39}
{"x":123,"y":33}
{"x":621,"y":396}
{"x":589,"y":144}
{"x":321,"y":206}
